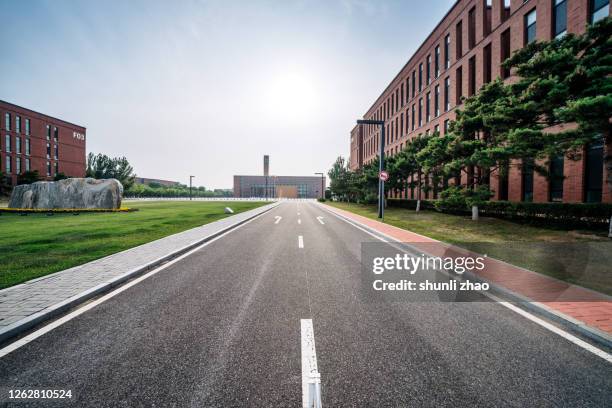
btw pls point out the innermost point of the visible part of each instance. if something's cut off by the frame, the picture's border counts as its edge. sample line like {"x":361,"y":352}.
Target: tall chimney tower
{"x":266,"y":165}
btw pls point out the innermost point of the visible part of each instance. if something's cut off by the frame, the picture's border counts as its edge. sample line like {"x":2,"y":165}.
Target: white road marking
{"x":299,"y":213}
{"x":56,"y":323}
{"x":311,"y":379}
{"x":320,"y":219}
{"x":278,"y":218}
{"x":300,"y":242}
{"x":580,"y":343}
{"x":299,"y":221}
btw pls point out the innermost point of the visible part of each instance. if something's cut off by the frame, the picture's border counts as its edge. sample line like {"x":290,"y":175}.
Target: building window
{"x":428,"y":69}
{"x":527,"y":174}
{"x":55,"y":134}
{"x":401,"y":126}
{"x":437,"y":129}
{"x":7,"y":143}
{"x":7,"y":121}
{"x":599,"y":9}
{"x":437,"y":101}
{"x":427,"y":103}
{"x":48,"y":151}
{"x":593,"y":175}
{"x":48,"y":132}
{"x":420,"y":112}
{"x":556,"y":178}
{"x":530,"y":26}
{"x":459,"y":40}
{"x":447,"y":52}
{"x":559,"y":25}
{"x":55,"y":153}
{"x":487,"y":65}
{"x":407,"y":88}
{"x":505,"y":52}
{"x":413,"y":115}
{"x":472,"y":76}
{"x":17,"y":145}
{"x":447,"y":94}
{"x":420,"y":77}
{"x":472,"y":28}
{"x":487,"y":17}
{"x":437,"y":61}
{"x":18,"y":124}
{"x":505,"y":11}
{"x":55,"y":168}
{"x":48,"y":169}
{"x":17,"y":165}
{"x":7,"y":163}
{"x":458,"y":86}
{"x":27,"y":164}
{"x":402,"y":94}
{"x":446,"y":126}
{"x":413,"y":83}
{"x":27,"y":147}
{"x":27,"y":127}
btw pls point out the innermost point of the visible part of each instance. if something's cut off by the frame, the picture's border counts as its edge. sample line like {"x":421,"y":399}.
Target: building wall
{"x":278,"y":186}
{"x":70,"y":142}
{"x":395,"y":104}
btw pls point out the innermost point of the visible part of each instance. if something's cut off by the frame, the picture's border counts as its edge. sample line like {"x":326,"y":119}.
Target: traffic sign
{"x":384,"y":176}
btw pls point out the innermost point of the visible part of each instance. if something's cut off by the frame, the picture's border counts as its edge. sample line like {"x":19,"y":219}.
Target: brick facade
{"x":55,"y":146}
{"x":481,"y":34}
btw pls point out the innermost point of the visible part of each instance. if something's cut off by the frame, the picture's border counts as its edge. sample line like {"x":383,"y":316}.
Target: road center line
{"x":300,"y":241}
{"x":311,"y":379}
{"x":299,"y":221}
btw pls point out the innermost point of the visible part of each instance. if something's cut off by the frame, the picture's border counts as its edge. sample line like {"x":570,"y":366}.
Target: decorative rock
{"x":228,"y":210}
{"x":68,"y":193}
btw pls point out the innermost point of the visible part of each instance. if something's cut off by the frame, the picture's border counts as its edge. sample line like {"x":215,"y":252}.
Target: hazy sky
{"x":208,"y":87}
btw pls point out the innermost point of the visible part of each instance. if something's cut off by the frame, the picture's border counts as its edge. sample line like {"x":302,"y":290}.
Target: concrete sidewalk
{"x":32,"y":302}
{"x":592,"y":315}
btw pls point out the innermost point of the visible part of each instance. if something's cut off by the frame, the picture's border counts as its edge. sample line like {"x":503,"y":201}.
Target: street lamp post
{"x":190,"y":178}
{"x":381,"y":162}
{"x":322,"y":184}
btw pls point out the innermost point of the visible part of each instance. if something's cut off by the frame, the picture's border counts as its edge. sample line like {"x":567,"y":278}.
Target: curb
{"x":22,"y":325}
{"x":573,"y":325}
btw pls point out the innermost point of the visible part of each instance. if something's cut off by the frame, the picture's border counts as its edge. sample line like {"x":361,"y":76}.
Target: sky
{"x":206,"y":88}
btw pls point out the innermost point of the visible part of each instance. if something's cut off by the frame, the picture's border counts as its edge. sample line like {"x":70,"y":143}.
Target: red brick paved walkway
{"x":592,"y":310}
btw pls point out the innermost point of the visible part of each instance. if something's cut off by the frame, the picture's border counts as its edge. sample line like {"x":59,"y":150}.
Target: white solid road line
{"x":580,"y":343}
{"x":299,"y":221}
{"x":311,"y":379}
{"x":278,"y":218}
{"x":56,"y":323}
{"x":300,"y":242}
{"x":320,"y":219}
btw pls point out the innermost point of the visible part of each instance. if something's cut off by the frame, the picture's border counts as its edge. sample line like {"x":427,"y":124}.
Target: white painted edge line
{"x":299,"y":220}
{"x":320,"y":219}
{"x":278,"y":219}
{"x":300,"y":241}
{"x":570,"y":337}
{"x":43,"y":330}
{"x":311,"y":378}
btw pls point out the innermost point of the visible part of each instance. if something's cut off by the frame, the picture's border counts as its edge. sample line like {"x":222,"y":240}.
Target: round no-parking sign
{"x":383,"y":175}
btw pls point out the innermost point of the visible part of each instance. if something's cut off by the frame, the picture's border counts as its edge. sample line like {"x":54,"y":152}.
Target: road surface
{"x":221,"y":328}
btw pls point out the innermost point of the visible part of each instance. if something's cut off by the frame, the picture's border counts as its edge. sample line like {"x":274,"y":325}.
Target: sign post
{"x":381,"y":162}
{"x":382,"y":176}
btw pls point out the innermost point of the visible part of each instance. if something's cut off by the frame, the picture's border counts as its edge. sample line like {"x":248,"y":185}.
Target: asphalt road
{"x":221,"y":328}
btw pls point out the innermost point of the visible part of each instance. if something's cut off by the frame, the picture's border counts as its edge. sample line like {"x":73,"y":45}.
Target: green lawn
{"x":579,"y":257}
{"x":36,"y":245}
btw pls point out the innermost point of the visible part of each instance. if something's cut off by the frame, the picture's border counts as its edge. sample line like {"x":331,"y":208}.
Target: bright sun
{"x":289,"y":96}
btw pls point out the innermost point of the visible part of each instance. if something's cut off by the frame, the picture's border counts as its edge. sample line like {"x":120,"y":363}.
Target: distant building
{"x":278,"y":186}
{"x":34,"y":141}
{"x":144,"y":180}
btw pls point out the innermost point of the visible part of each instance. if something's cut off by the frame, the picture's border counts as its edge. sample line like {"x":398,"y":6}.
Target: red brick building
{"x":32,"y":141}
{"x":463,"y":52}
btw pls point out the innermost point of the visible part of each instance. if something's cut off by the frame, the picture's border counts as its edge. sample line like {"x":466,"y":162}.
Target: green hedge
{"x":569,"y":215}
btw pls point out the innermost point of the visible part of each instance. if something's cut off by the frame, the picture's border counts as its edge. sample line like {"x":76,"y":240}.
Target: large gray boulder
{"x":68,"y":193}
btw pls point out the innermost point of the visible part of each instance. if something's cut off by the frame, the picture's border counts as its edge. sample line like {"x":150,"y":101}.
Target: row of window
{"x":404,"y":93}
{"x":8,"y":147}
{"x":51,"y":130}
{"x":8,"y":166}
